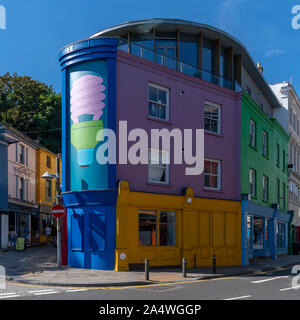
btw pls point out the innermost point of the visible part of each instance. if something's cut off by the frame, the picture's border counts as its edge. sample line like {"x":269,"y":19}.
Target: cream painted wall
{"x":26,"y":171}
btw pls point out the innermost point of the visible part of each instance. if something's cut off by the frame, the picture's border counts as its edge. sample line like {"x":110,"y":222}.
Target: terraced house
{"x":168,"y":74}
{"x":289,"y":117}
{"x":25,"y":197}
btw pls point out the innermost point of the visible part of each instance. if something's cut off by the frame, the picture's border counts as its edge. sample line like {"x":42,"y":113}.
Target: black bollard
{"x":184,"y":267}
{"x":147,"y":269}
{"x":214,"y":261}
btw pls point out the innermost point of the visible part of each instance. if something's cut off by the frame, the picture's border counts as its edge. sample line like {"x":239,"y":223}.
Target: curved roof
{"x":194,"y":28}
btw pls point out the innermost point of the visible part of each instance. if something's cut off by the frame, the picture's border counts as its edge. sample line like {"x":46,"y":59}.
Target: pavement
{"x":37,"y":266}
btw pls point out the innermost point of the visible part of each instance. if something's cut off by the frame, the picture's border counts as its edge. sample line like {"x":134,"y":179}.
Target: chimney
{"x":259,"y":67}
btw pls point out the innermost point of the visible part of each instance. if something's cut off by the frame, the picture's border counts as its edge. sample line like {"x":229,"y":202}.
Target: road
{"x":265,"y":286}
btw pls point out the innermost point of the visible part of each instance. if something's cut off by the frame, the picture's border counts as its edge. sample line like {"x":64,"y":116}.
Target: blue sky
{"x":37,"y":29}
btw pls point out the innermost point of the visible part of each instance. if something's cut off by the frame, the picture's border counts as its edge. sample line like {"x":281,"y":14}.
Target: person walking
{"x":12,"y":238}
{"x":48,"y":232}
{"x":26,"y":235}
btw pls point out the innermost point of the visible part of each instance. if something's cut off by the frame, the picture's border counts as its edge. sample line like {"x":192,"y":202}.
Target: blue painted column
{"x":273,"y":235}
{"x":245,"y":259}
{"x":89,"y":188}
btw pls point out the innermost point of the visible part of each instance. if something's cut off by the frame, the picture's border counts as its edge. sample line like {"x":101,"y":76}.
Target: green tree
{"x":31,"y":107}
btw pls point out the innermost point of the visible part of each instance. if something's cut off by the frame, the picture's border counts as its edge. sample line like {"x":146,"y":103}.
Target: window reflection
{"x":258,"y":233}
{"x":188,"y":53}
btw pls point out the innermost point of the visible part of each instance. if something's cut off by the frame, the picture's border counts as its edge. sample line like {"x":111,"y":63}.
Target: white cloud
{"x":274,"y":52}
{"x":227,"y":14}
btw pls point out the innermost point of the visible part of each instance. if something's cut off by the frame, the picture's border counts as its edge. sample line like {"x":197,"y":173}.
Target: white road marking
{"x":269,"y":279}
{"x":285,"y":289}
{"x":42,"y":293}
{"x":7,"y":293}
{"x":75,"y":290}
{"x":11,"y":296}
{"x":236,"y":298}
{"x":37,"y":291}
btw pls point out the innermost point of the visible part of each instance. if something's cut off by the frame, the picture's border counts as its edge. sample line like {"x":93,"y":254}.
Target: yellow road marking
{"x":141,"y":286}
{"x":118,"y":288}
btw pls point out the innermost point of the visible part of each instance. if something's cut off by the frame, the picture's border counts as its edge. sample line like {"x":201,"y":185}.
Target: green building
{"x":264,"y":184}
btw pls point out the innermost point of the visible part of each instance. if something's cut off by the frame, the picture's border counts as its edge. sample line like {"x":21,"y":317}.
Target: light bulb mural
{"x":87,"y":102}
{"x":88,"y":105}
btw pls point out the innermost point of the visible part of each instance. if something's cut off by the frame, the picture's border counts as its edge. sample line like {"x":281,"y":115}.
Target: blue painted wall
{"x":89,"y":188}
{"x":274,"y":215}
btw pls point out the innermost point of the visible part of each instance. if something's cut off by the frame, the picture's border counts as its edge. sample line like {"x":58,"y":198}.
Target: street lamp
{"x":48,"y":176}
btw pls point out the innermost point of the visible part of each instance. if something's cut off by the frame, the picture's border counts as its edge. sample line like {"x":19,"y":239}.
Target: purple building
{"x":188,"y":98}
{"x":152,"y":74}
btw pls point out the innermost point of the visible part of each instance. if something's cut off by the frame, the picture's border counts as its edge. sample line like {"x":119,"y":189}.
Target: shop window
{"x":150,"y":221}
{"x":158,"y":102}
{"x":158,"y":167}
{"x":147,"y":228}
{"x":281,"y":234}
{"x":249,"y":232}
{"x":268,"y":233}
{"x":167,"y":228}
{"x":212,"y":117}
{"x":258,"y":233}
{"x":212,"y":174}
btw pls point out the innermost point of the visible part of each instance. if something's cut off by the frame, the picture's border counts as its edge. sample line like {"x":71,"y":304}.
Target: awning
{"x":22,"y":212}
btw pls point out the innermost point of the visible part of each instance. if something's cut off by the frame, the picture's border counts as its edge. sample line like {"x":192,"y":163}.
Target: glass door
{"x":166,"y":56}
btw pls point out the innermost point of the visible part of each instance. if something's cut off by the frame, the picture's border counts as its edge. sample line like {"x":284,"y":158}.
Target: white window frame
{"x":252,"y":133}
{"x":165,"y":166}
{"x":47,"y":197}
{"x":219,"y":120}
{"x":22,"y":148}
{"x":159,"y":103}
{"x":265,"y":185}
{"x":252,"y":181}
{"x":218,"y":175}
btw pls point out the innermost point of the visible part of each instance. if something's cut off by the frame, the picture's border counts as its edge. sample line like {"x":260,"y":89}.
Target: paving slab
{"x":38,"y":266}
